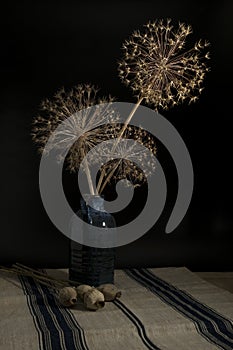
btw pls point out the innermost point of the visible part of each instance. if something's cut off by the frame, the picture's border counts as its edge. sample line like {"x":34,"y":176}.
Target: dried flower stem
{"x":100,"y":186}
{"x":88,"y":174}
{"x":89,"y":179}
{"x":127,"y":122}
{"x":109,"y":176}
{"x":41,"y":277}
{"x":27,"y":274}
{"x":43,"y":280}
{"x":34,"y":271}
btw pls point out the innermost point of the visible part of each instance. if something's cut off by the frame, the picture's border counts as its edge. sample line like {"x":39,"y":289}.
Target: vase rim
{"x":95,"y":201}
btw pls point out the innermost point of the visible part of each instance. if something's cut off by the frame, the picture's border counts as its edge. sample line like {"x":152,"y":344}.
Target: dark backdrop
{"x":49,"y":44}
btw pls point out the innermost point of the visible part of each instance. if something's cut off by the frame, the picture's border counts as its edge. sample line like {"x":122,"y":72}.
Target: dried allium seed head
{"x":81,"y":129}
{"x":129,"y":160}
{"x":159,"y":69}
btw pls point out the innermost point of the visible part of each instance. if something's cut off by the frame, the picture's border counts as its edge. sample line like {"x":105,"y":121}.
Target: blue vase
{"x":90,"y":265}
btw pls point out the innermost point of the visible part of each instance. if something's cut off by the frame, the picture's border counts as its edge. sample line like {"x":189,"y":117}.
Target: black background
{"x":49,"y":44}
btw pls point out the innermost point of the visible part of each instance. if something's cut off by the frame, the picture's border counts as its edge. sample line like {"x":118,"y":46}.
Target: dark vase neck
{"x":94,"y":201}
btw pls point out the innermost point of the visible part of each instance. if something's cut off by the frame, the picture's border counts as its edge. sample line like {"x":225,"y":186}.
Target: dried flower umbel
{"x":72,"y":108}
{"x":83,"y":127}
{"x":127,"y":155}
{"x":159,"y":69}
{"x":71,"y":124}
{"x":161,"y":73}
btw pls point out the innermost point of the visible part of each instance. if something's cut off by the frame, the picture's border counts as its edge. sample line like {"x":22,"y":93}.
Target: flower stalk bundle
{"x":160,"y":72}
{"x":38,"y":275}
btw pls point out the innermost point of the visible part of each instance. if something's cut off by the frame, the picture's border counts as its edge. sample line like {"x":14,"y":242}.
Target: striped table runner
{"x":160,"y":308}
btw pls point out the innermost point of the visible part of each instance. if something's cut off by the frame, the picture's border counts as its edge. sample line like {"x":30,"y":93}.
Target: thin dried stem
{"x":109,"y":176}
{"x":88,"y":174}
{"x":100,"y":186}
{"x":127,"y":122}
{"x":39,"y":276}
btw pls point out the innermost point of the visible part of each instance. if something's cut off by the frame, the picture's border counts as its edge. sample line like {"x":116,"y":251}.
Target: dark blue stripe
{"x":67,"y":331}
{"x":139,"y":325}
{"x":77,"y":328}
{"x":34,"y":314}
{"x":51,"y":327}
{"x":186,"y":306}
{"x":53,"y":333}
{"x":223,"y":323}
